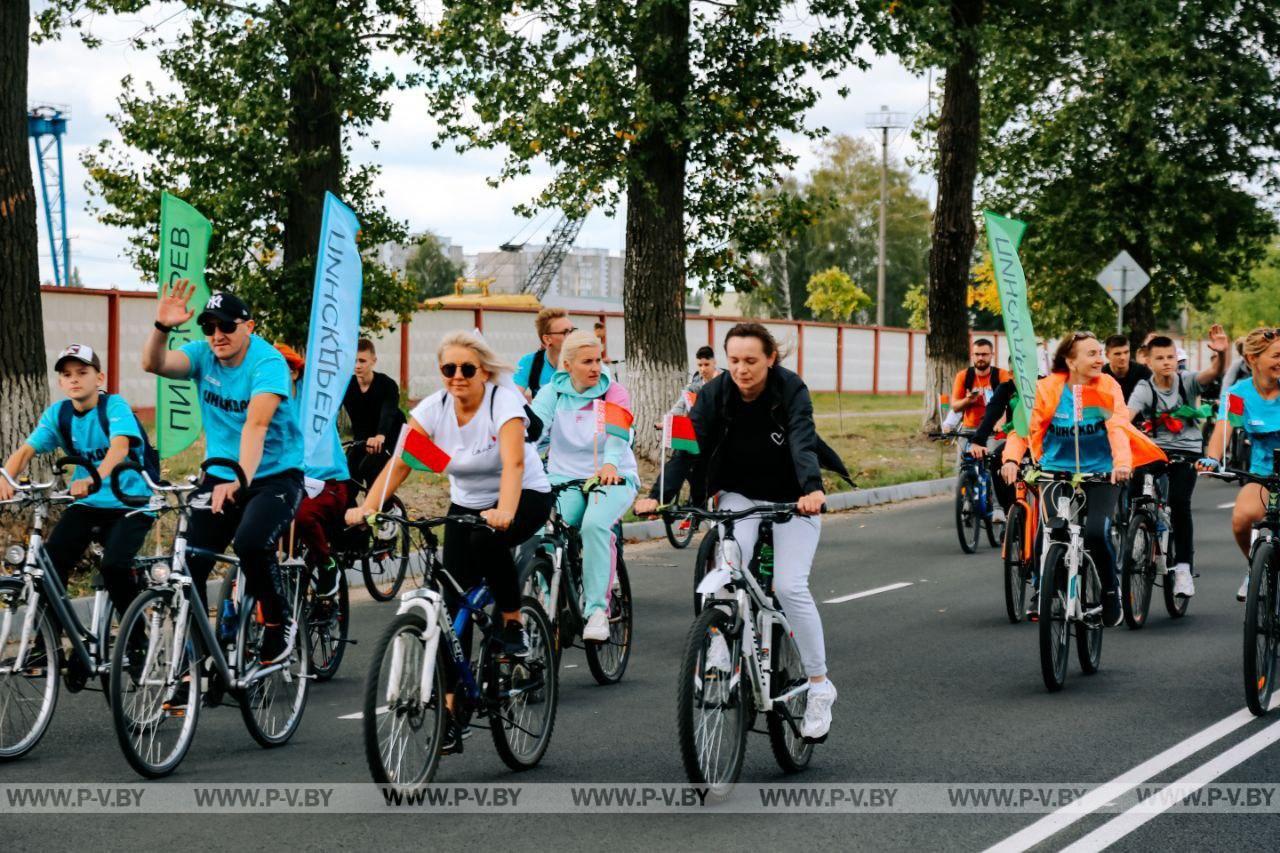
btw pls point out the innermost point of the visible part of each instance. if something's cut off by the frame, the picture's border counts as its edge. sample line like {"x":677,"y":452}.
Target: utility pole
{"x":883,"y":121}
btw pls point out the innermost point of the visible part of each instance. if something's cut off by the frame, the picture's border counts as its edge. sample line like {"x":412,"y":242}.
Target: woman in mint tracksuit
{"x":566,"y":407}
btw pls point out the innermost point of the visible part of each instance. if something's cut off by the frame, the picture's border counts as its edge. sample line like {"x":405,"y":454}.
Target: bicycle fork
{"x":427,"y":603}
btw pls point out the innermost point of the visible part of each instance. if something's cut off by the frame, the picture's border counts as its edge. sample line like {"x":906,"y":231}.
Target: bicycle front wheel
{"x":403,"y":726}
{"x":1017,"y":573}
{"x":1089,"y":629}
{"x":28,"y":694}
{"x":1261,"y":630}
{"x":1055,"y":633}
{"x":524,"y":694}
{"x":385,"y":563}
{"x":704,"y":564}
{"x":680,"y":530}
{"x":608,"y":660}
{"x":272,"y":705}
{"x":968,"y":522}
{"x":155,"y":684}
{"x":713,"y":706}
{"x":790,"y":750}
{"x":1138,"y":573}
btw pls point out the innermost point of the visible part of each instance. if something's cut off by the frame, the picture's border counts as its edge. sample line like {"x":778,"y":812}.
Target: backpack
{"x":535,"y":371}
{"x":146,"y":453}
{"x":532,"y":432}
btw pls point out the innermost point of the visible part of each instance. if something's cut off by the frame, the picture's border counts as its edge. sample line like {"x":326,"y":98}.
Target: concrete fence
{"x":830,"y":357}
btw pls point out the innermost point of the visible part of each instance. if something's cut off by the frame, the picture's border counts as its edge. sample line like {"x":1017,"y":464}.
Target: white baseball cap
{"x":79,"y":352}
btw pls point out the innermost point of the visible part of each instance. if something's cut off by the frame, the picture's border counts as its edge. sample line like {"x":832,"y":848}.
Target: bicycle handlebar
{"x":719,"y":515}
{"x":435,"y":521}
{"x":230,"y":464}
{"x":61,"y":465}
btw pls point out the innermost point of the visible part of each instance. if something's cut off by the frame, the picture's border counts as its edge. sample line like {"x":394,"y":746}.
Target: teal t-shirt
{"x":225,"y":393}
{"x":88,"y":440}
{"x":1060,"y":440}
{"x":1261,"y":419}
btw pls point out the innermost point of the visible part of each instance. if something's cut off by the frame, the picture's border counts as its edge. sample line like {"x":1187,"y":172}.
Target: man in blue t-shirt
{"x":102,"y":429}
{"x":243,"y":385}
{"x":535,"y":369}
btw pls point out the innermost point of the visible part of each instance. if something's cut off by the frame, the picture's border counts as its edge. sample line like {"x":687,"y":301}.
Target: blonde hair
{"x":574,"y":342}
{"x":1257,"y":342}
{"x":543,"y":321}
{"x":489,"y":360}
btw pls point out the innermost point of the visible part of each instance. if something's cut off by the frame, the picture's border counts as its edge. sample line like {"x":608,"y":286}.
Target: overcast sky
{"x":440,"y":191}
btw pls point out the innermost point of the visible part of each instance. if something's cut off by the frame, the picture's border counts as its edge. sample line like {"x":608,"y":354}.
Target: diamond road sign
{"x":1123,"y":278}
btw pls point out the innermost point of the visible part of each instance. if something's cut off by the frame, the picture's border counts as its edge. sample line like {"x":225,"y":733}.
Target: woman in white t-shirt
{"x":479,"y":421}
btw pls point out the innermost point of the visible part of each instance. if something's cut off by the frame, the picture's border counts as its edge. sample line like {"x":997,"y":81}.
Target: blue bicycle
{"x":975,"y":498}
{"x":406,"y":701}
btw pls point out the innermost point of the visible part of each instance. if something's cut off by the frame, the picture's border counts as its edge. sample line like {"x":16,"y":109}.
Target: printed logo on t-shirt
{"x":234,"y":406}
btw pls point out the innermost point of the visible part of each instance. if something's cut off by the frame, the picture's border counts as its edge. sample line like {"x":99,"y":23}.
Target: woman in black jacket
{"x":755,"y":428}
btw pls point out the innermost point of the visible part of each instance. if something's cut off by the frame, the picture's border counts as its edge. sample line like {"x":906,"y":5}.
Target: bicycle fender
{"x":713,"y":581}
{"x":428,"y":603}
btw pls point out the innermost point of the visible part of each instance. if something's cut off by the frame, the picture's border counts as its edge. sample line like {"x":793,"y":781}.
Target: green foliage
{"x":429,"y":270}
{"x":834,"y":296}
{"x":1155,"y":131}
{"x":556,"y":82}
{"x":1244,"y":308}
{"x":229,"y":137}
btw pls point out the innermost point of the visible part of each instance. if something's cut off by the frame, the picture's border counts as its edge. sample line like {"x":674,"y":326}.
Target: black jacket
{"x":1000,"y":406}
{"x":792,"y":412}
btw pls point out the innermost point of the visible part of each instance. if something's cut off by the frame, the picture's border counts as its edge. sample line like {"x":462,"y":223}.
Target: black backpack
{"x":147,"y":454}
{"x":535,"y":371}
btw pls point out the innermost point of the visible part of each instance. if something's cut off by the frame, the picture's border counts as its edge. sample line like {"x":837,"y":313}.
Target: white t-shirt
{"x":475,"y":461}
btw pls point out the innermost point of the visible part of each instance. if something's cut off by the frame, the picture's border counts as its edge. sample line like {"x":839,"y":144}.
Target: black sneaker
{"x":327,"y":579}
{"x":275,"y":646}
{"x":181,"y":697}
{"x":454,"y":734}
{"x":1112,"y":614}
{"x":515,"y":640}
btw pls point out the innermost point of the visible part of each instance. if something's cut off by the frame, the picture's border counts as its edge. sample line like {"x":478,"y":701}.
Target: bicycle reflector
{"x":15,"y":555}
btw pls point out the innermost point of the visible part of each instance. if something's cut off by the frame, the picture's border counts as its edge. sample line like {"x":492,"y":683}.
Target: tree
{"x":269,"y":95}
{"x":24,"y":385}
{"x":429,"y":270}
{"x":676,"y":106}
{"x":1243,"y":308}
{"x":1155,"y":131}
{"x":834,"y":296}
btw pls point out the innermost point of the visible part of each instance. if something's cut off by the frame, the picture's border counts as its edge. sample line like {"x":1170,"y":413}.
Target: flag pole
{"x":1077,"y":391}
{"x":395,"y":454}
{"x":662,"y":459}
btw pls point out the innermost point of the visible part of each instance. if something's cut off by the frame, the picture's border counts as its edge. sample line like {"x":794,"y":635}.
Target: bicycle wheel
{"x":27,"y":695}
{"x":704,"y":564}
{"x":1055,"y":634}
{"x":790,"y":750}
{"x":385,"y":563}
{"x":403,"y":728}
{"x":272,"y":706}
{"x":680,"y":530}
{"x":1261,"y":631}
{"x":1016,"y":574}
{"x":523,"y":694}
{"x":1089,"y":630}
{"x":154,"y":731}
{"x":608,"y":660}
{"x":968,"y":522}
{"x":1175,"y":606}
{"x":1138,"y":573}
{"x":713,"y":706}
{"x":995,"y":529}
{"x":328,"y":621}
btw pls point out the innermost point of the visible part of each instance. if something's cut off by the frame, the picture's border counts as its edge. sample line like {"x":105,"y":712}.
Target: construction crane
{"x":549,"y":260}
{"x":46,"y":124}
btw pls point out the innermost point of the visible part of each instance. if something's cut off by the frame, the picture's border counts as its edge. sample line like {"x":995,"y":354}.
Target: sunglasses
{"x":1270,"y":334}
{"x":227,"y":327}
{"x":451,"y":370}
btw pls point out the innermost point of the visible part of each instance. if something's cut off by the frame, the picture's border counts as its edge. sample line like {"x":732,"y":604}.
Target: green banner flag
{"x":184,"y":248}
{"x":1004,"y":236}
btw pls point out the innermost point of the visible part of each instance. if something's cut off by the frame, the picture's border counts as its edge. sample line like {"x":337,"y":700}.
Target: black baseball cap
{"x":82,"y":353}
{"x":224,"y":306}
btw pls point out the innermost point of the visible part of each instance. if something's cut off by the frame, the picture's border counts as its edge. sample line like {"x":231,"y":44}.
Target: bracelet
{"x":163,"y":328}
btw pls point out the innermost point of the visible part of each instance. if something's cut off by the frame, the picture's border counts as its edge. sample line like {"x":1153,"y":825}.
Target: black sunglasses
{"x":227,"y":327}
{"x":1270,"y":334}
{"x":451,"y":370}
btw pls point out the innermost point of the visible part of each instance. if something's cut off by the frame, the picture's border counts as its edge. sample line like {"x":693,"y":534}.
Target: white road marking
{"x":1229,"y":505}
{"x":868,"y":592}
{"x":1054,"y":823}
{"x":1120,"y":826}
{"x":358,"y":715}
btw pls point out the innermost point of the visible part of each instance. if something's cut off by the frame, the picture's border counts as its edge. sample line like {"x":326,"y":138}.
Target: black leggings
{"x":1099,"y":509}
{"x":121,"y":536}
{"x":1005,"y":492}
{"x":472,"y":554}
{"x":252,"y":524}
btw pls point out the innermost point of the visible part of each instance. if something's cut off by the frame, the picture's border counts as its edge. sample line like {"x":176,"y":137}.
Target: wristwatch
{"x":163,"y":328}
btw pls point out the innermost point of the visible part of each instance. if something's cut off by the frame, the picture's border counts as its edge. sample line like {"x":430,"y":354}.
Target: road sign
{"x":1122,"y":279}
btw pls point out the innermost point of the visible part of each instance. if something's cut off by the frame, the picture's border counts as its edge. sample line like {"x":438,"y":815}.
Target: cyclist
{"x":565,"y":407}
{"x":535,"y":369}
{"x":975,"y":384}
{"x":103,"y":429}
{"x":1165,"y":404}
{"x":1123,"y":369}
{"x":1252,"y":403}
{"x":1106,"y":442}
{"x":372,"y":402}
{"x":248,"y":413}
{"x":999,"y":409}
{"x":755,"y":425}
{"x":683,"y":465}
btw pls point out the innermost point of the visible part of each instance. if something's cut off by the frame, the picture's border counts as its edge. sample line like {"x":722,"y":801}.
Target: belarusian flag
{"x":680,"y":434}
{"x":422,"y":454}
{"x":1235,"y":410}
{"x":1093,"y":405}
{"x":612,"y":419}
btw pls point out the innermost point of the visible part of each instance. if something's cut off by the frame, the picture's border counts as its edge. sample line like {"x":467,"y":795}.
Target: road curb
{"x":641,"y":531}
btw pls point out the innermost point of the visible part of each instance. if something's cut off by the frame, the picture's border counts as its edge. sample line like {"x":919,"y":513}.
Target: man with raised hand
{"x":243,"y":385}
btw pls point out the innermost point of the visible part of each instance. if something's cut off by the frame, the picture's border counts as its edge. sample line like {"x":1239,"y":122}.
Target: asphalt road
{"x":935,"y":686}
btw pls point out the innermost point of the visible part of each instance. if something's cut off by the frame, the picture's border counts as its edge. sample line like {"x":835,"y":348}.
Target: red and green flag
{"x":680,"y":434}
{"x":1235,"y":410}
{"x":1091,"y":404}
{"x":612,"y":419}
{"x":422,"y":454}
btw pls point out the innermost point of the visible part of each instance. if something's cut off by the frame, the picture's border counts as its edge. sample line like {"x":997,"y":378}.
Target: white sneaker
{"x":997,"y":516}
{"x":1243,"y":592}
{"x":597,"y":629}
{"x":1183,"y":584}
{"x":817,"y":713}
{"x":718,"y":654}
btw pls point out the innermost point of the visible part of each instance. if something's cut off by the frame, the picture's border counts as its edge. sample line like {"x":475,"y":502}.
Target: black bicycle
{"x":1146,"y":561}
{"x":975,"y":498}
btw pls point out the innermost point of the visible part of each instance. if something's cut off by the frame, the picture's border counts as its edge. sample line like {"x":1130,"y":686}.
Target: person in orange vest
{"x":975,"y":384}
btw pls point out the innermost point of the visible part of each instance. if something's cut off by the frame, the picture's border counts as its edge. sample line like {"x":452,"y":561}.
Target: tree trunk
{"x":24,"y":387}
{"x":654,"y":269}
{"x":315,"y":140}
{"x":951,"y":251}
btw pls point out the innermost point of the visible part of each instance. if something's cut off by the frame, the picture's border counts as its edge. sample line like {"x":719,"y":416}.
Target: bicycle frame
{"x":1068,"y":512}
{"x":1028,"y":497}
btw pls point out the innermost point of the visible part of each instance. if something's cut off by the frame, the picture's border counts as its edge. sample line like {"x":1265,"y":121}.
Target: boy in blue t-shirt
{"x":245,"y":403}
{"x":100,"y":516}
